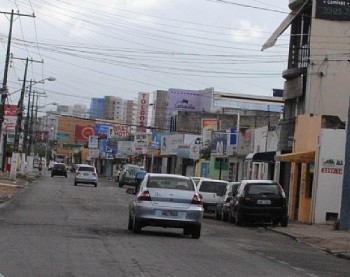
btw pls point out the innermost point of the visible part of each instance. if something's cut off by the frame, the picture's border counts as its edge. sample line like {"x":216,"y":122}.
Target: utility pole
{"x":344,"y":219}
{"x":20,"y":110}
{"x":4,"y":89}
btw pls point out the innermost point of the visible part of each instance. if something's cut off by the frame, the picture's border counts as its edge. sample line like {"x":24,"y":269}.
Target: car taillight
{"x":77,"y":174}
{"x":94,"y":174}
{"x":196,"y":200}
{"x":144,"y":196}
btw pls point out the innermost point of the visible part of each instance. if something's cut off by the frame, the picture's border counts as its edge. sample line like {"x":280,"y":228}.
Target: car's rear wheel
{"x":224,"y":216}
{"x":217,"y":214}
{"x":196,"y":232}
{"x":95,"y":184}
{"x":120,"y":184}
{"x":239,"y":219}
{"x":75,"y":183}
{"x":231,"y":219}
{"x":284,"y":221}
{"x":136,"y":228}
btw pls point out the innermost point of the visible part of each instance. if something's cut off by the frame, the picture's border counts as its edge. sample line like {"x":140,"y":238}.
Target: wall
{"x":307,"y":129}
{"x":329,"y":186}
{"x":328,"y":77}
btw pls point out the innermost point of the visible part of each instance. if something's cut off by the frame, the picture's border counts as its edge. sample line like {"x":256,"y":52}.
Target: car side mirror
{"x":130,"y":191}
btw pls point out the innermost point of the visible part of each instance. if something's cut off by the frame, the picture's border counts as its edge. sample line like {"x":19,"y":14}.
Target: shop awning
{"x":298,"y":157}
{"x":284,"y":25}
{"x":266,"y":157}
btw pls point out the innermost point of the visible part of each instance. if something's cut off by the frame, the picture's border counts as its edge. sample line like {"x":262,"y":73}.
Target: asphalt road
{"x":57,"y":229}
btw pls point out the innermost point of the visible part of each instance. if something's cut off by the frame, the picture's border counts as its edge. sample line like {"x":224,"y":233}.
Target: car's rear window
{"x":263,"y":189}
{"x":86,"y":168}
{"x":59,"y":166}
{"x":212,"y":186}
{"x":170,"y":183}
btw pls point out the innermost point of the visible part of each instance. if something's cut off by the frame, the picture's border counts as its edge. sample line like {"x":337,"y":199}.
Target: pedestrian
{"x":40,"y":167}
{"x":139,"y":175}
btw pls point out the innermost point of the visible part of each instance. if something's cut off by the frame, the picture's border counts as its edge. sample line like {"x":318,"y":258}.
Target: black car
{"x":59,"y":169}
{"x":259,"y":201}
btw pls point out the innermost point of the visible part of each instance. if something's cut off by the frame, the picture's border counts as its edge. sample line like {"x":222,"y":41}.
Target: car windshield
{"x":86,"y":168}
{"x":212,"y":186}
{"x":170,"y":183}
{"x":263,"y":189}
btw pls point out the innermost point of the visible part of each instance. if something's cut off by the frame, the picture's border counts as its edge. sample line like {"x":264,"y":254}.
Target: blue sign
{"x":102,"y":129}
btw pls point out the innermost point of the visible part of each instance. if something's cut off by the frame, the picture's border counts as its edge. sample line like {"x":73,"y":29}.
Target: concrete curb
{"x":339,"y":254}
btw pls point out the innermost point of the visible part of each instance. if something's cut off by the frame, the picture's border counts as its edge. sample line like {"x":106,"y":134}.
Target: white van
{"x":212,"y":192}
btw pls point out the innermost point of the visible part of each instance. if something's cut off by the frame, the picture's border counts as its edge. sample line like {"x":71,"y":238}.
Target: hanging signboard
{"x":333,"y":10}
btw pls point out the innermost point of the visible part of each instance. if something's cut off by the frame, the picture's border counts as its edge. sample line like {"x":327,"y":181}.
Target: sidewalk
{"x":322,"y":236}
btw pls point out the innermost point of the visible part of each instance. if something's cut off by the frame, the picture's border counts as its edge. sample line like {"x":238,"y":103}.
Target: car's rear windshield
{"x":263,"y":189}
{"x":60,"y":166}
{"x":212,"y":186}
{"x":170,"y":183}
{"x":86,"y":168}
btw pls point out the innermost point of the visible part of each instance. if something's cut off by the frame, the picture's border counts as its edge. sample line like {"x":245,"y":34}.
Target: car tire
{"x":284,"y":221}
{"x":136,"y":228}
{"x":65,"y":175}
{"x":130,"y":223}
{"x":224,"y":217}
{"x":231,"y":219}
{"x":239,"y":219}
{"x":196,"y":232}
{"x":95,"y":184}
{"x":75,"y":183}
{"x":217,"y":214}
{"x":187,"y":231}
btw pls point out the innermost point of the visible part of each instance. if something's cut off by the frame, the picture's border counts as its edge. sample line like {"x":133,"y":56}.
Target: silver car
{"x":166,"y":200}
{"x":86,"y":174}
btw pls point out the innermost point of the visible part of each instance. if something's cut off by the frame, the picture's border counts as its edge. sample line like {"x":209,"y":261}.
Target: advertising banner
{"x":10,"y":118}
{"x":125,"y":148}
{"x":142,"y":114}
{"x":82,"y":133}
{"x":208,"y":125}
{"x":61,"y":137}
{"x":93,"y":142}
{"x":188,"y":100}
{"x":170,"y":143}
{"x":218,"y":143}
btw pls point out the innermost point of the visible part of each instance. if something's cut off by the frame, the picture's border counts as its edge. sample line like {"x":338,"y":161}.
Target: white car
{"x":166,"y":200}
{"x":223,"y":207}
{"x":212,"y":192}
{"x":86,"y":174}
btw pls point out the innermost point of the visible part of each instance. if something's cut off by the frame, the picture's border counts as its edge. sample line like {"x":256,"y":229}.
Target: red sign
{"x":332,"y":170}
{"x":82,"y":133}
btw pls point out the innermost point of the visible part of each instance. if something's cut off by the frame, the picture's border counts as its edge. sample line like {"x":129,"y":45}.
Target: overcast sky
{"x":96,"y":48}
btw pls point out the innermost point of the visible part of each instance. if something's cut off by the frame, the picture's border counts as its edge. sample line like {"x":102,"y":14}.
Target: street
{"x":55,"y":228}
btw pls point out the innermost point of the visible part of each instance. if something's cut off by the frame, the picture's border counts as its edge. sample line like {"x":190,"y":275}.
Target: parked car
{"x":212,"y":192}
{"x":127,"y":175}
{"x":59,"y":169}
{"x":86,"y":174}
{"x":166,"y":200}
{"x":196,"y":180}
{"x":259,"y":200}
{"x":222,"y":208}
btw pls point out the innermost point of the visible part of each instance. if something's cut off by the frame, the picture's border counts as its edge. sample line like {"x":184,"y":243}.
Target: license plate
{"x":169,"y":213}
{"x":264,"y":202}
